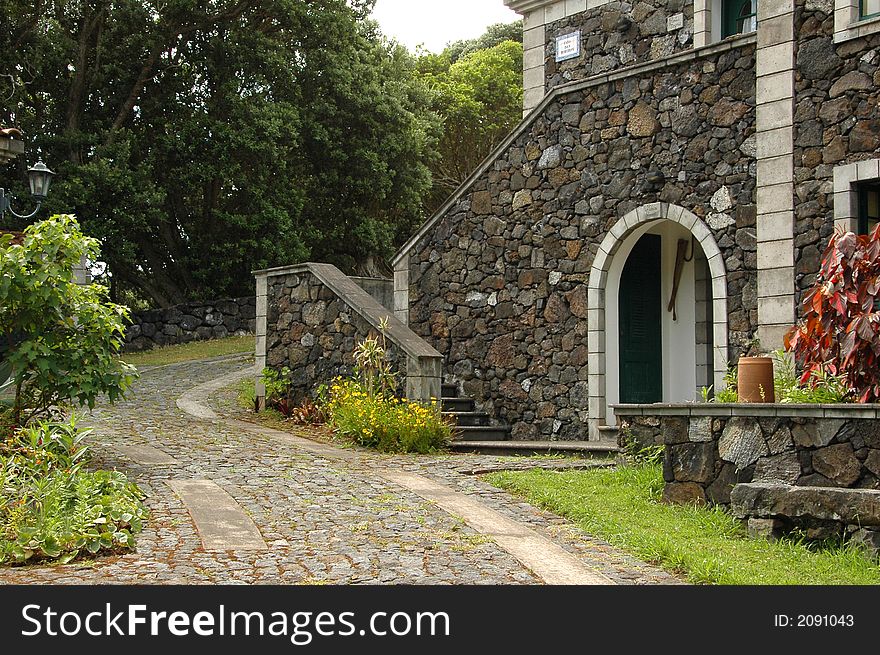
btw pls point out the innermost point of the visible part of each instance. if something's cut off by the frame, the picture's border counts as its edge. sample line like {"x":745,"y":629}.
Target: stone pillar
{"x":423,"y":375}
{"x":401,"y":290}
{"x":702,"y":23}
{"x":775,"y":188}
{"x":534,"y":42}
{"x":260,"y":353}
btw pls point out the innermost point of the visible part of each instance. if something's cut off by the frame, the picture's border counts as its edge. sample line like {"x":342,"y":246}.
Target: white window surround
{"x":846,"y":215}
{"x":847,"y":24}
{"x":707,"y":22}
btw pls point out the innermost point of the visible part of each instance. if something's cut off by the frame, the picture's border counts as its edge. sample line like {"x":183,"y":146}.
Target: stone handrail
{"x":423,"y":362}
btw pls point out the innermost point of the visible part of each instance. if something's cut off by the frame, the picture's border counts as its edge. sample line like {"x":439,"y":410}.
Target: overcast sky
{"x":434,"y":23}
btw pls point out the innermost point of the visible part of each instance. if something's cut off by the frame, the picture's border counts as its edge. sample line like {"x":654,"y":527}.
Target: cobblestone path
{"x":325,"y":518}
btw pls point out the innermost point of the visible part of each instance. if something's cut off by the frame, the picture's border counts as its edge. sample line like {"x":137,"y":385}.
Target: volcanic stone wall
{"x":190,"y":322}
{"x":618,"y":34}
{"x":837,"y":121}
{"x":498,"y":284}
{"x":314,"y":333}
{"x":706,"y":456}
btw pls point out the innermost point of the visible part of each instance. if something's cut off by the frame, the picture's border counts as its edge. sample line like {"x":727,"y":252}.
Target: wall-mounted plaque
{"x":568,"y":46}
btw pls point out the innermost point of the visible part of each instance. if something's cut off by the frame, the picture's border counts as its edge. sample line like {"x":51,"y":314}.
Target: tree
{"x":494,"y":35}
{"x":479,"y":96}
{"x":60,"y":339}
{"x":839,"y":333}
{"x":200,"y":140}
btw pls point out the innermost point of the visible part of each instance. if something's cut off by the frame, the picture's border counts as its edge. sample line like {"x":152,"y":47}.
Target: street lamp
{"x":39,"y":179}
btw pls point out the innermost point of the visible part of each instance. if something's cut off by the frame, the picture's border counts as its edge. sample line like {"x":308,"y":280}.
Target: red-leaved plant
{"x":840,"y":329}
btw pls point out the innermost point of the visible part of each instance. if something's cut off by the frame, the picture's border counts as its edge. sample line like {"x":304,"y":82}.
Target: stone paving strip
{"x":327,"y":514}
{"x":221,"y":523}
{"x":544,"y":558}
{"x":144,"y":454}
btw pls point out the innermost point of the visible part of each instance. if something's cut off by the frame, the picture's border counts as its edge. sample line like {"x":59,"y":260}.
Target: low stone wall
{"x":710,"y":448}
{"x":311,"y":317}
{"x":190,"y":322}
{"x":771,"y":509}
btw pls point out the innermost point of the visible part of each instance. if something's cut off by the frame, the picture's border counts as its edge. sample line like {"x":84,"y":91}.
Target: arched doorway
{"x":643,"y":348}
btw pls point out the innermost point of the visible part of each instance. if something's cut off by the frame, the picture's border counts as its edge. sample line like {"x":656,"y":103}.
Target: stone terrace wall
{"x":311,"y":318}
{"x":314,"y":333}
{"x":706,"y":455}
{"x":498,"y":283}
{"x":190,"y":322}
{"x":837,"y":121}
{"x":604,"y":47}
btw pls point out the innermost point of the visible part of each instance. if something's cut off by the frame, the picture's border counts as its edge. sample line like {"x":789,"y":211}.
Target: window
{"x":869,"y":8}
{"x":854,"y":19}
{"x":869,"y":207}
{"x":741,"y":16}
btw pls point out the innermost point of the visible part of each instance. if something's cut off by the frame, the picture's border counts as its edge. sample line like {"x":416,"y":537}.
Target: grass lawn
{"x":192,"y":351}
{"x":706,"y":545}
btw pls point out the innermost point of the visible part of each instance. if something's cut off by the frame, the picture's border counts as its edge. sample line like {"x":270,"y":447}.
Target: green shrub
{"x":384,"y":422}
{"x":59,"y":340}
{"x":50,"y":508}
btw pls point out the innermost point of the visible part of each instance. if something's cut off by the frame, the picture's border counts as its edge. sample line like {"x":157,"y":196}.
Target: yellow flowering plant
{"x":383,"y":421}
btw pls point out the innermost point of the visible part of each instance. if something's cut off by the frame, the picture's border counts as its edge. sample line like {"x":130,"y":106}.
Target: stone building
{"x":666,"y":199}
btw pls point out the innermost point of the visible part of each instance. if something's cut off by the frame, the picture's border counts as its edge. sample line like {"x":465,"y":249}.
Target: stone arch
{"x":623,"y":228}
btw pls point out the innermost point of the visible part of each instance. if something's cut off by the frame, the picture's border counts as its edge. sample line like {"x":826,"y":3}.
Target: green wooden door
{"x":641,"y":341}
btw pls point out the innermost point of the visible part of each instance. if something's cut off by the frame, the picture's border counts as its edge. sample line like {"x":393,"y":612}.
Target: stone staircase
{"x":475,"y":433}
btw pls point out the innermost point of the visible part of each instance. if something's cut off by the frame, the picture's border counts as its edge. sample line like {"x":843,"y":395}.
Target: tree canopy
{"x":477,"y":91}
{"x":200,"y":139}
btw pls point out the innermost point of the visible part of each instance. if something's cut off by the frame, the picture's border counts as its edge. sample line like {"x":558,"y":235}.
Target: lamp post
{"x":39,"y":178}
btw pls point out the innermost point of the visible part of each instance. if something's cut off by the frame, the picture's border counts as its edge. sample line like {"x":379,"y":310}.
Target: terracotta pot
{"x":754,"y":378}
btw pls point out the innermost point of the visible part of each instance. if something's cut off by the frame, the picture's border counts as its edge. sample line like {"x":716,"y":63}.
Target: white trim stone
{"x":774,"y":63}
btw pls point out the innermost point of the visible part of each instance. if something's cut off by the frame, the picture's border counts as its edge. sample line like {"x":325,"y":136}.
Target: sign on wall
{"x":568,"y":46}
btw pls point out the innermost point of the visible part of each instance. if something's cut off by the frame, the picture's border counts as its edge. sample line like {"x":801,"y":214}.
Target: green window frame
{"x":869,"y":206}
{"x":869,"y":8}
{"x":740,"y":16}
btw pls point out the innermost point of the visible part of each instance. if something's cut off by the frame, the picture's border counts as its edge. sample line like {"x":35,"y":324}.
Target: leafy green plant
{"x":61,"y":339}
{"x":278,"y":386}
{"x":50,"y":508}
{"x":728,"y":394}
{"x":637,"y":452}
{"x":821,"y":387}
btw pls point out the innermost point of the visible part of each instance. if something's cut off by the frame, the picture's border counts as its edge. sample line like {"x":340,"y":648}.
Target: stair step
{"x":449,"y":390}
{"x":468,"y":418}
{"x":448,"y":404}
{"x":481,"y":433}
{"x":587,"y":449}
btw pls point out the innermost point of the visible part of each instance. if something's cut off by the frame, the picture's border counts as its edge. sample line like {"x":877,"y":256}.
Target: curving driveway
{"x":236,"y":503}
